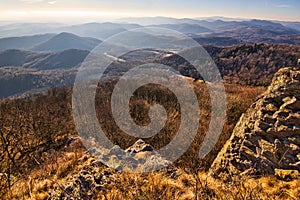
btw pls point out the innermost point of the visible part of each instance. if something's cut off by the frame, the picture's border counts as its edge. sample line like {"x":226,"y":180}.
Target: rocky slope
{"x":93,"y":176}
{"x":267,"y":137}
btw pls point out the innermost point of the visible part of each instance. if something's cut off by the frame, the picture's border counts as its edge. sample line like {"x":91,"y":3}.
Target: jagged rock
{"x":93,"y":176}
{"x":146,"y":156}
{"x":267,"y":136}
{"x":86,"y":183}
{"x":140,"y":146}
{"x":140,"y":157}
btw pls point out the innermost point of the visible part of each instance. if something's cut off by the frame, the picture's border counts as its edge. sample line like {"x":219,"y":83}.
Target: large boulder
{"x":267,"y":136}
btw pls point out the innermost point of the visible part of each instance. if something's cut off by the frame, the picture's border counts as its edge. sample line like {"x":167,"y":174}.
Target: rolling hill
{"x":218,"y":41}
{"x":99,"y":30}
{"x":185,"y":28}
{"x":25,"y":42}
{"x":42,"y":60}
{"x":250,"y":31}
{"x":28,"y":29}
{"x":64,"y":41}
{"x":28,"y":72}
{"x":255,"y":30}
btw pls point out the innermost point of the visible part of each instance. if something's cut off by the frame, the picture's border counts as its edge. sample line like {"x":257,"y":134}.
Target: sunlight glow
{"x":63,"y":15}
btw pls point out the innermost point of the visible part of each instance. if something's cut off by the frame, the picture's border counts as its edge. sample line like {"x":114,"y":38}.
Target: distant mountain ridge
{"x":262,"y":30}
{"x":254,"y":30}
{"x":218,"y":41}
{"x":293,"y":25}
{"x":24,"y":43}
{"x":241,"y":64}
{"x":238,"y":47}
{"x":42,"y":60}
{"x":185,"y":28}
{"x":64,"y":41}
{"x":49,"y":42}
{"x":99,"y":30}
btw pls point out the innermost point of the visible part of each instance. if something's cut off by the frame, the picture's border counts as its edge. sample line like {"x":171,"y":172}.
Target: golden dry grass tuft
{"x":158,"y":185}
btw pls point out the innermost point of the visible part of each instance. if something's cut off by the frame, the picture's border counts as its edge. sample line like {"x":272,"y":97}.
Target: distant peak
{"x":66,"y":34}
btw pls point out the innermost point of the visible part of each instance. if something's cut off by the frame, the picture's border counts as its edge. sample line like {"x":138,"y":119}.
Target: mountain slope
{"x":64,"y":41}
{"x":22,"y":82}
{"x":62,"y":60}
{"x":217,"y":41}
{"x":256,"y":31}
{"x":99,"y":30}
{"x":25,"y":42}
{"x":42,"y":60}
{"x":185,"y":28}
{"x":293,"y":25}
{"x":27,"y":29}
{"x":242,"y":64}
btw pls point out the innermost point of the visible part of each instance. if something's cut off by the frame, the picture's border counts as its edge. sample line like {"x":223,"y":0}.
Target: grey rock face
{"x":138,"y":158}
{"x":267,"y":136}
{"x":94,"y":176}
{"x":86,"y":183}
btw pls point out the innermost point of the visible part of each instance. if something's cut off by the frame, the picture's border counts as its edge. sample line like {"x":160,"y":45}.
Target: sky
{"x":93,"y":10}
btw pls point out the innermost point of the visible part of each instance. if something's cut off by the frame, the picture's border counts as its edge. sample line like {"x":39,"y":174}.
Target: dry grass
{"x":48,"y":175}
{"x":154,"y":185}
{"x":200,"y":186}
{"x":239,"y":98}
{"x":56,"y":164}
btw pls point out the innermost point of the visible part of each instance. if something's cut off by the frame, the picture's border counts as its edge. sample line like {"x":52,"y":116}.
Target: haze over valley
{"x":39,"y":50}
{"x":147,"y":100}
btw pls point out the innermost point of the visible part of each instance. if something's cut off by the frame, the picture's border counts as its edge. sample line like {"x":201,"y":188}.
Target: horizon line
{"x":107,"y":19}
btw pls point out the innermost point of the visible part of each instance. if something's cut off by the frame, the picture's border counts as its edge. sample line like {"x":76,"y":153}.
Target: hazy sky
{"x":100,"y":9}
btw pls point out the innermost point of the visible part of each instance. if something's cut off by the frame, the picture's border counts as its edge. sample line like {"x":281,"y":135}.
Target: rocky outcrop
{"x":140,"y":157}
{"x":267,"y":136}
{"x":94,"y":176}
{"x":86,"y":183}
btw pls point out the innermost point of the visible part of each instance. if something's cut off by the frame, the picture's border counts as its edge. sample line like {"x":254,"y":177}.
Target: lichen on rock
{"x":267,"y":136}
